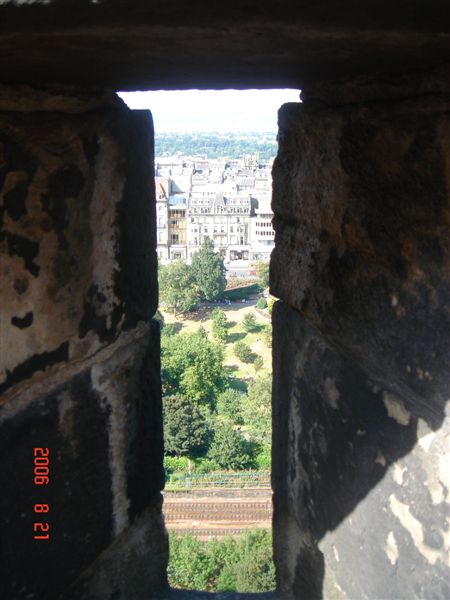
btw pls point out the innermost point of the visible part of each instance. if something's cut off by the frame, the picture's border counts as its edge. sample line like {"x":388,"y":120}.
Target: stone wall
{"x":361,"y":341}
{"x":79,"y":354}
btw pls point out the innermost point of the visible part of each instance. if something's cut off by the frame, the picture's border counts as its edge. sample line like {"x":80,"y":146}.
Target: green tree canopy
{"x":219,"y":325}
{"x":229,"y":405}
{"x":208,"y":271}
{"x":231,"y":564}
{"x":243,"y":352}
{"x":249,"y":322}
{"x":192,"y":365}
{"x":262,"y":270}
{"x":185,"y":429}
{"x":257,"y":409}
{"x":230,"y":450}
{"x":177,"y":289}
{"x":258,"y":363}
{"x":266,"y":335}
{"x":255,"y":571}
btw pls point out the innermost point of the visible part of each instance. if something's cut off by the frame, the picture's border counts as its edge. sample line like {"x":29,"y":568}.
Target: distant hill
{"x":215,"y":145}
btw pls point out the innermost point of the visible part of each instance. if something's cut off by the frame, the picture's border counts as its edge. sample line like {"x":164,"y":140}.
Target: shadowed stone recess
{"x":361,"y":486}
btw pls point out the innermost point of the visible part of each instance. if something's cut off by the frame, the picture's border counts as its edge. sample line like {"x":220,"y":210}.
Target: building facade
{"x":226,"y":200}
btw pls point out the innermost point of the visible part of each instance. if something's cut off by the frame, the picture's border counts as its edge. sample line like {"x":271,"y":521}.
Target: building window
{"x":174,"y":238}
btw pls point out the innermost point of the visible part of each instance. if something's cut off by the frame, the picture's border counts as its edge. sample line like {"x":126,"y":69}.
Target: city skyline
{"x":212,"y":110}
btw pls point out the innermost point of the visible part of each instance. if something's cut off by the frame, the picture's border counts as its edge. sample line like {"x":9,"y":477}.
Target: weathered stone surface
{"x":133,"y":567}
{"x":76,"y":231}
{"x":361,"y":485}
{"x":361,"y":422}
{"x":142,"y":45}
{"x":103,"y":428}
{"x":361,"y":202}
{"x":79,"y":354}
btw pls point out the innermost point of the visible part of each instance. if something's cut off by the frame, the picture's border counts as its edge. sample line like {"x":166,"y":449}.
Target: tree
{"x":229,"y":405}
{"x":270,"y":304}
{"x":230,"y":450}
{"x":267,"y":335}
{"x":232,"y":564}
{"x":208,"y":271}
{"x":243,"y":352}
{"x":255,"y":571}
{"x":185,"y":430}
{"x":188,"y":565}
{"x":177,"y":287}
{"x":263,"y":272}
{"x":249,"y":322}
{"x":192,"y":365}
{"x":219,"y":325}
{"x":262,"y":303}
{"x":172,"y":329}
{"x":257,"y":409}
{"x":258,"y":363}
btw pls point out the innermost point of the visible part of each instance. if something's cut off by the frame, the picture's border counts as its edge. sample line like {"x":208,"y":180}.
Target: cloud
{"x":212,"y":110}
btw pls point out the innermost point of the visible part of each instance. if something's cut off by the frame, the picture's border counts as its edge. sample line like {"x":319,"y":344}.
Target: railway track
{"x":218,"y":511}
{"x":214,"y":516}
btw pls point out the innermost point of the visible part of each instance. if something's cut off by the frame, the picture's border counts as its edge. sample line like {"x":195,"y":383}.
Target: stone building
{"x":225,"y":220}
{"x":262,"y":234}
{"x":163,"y":188}
{"x":177,"y":227}
{"x":219,"y":198}
{"x":361,"y":420}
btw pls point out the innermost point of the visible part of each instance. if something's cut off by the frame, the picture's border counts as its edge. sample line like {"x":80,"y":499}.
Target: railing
{"x":218,"y":479}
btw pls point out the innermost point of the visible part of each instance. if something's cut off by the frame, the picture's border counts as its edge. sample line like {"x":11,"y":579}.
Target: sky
{"x":212,"y":110}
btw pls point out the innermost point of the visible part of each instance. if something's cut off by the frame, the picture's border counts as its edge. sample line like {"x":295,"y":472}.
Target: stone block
{"x":77,"y":235}
{"x":79,"y":353}
{"x":101,"y":421}
{"x":362,"y":250}
{"x":361,"y":484}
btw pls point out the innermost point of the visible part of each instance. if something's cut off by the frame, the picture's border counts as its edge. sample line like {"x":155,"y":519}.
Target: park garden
{"x":217,"y":378}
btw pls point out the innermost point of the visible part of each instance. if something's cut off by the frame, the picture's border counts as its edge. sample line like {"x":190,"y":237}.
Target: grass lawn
{"x":235,"y":313}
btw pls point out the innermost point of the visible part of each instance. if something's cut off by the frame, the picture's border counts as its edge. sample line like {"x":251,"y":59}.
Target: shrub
{"x":174,"y":464}
{"x":243,"y":352}
{"x":205,"y":465}
{"x":242,"y":564}
{"x":188,"y":565}
{"x":255,"y":571}
{"x":262,"y":303}
{"x":266,"y":335}
{"x":172,"y":328}
{"x":249,"y":322}
{"x":258,"y":363}
{"x":264,"y":458}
